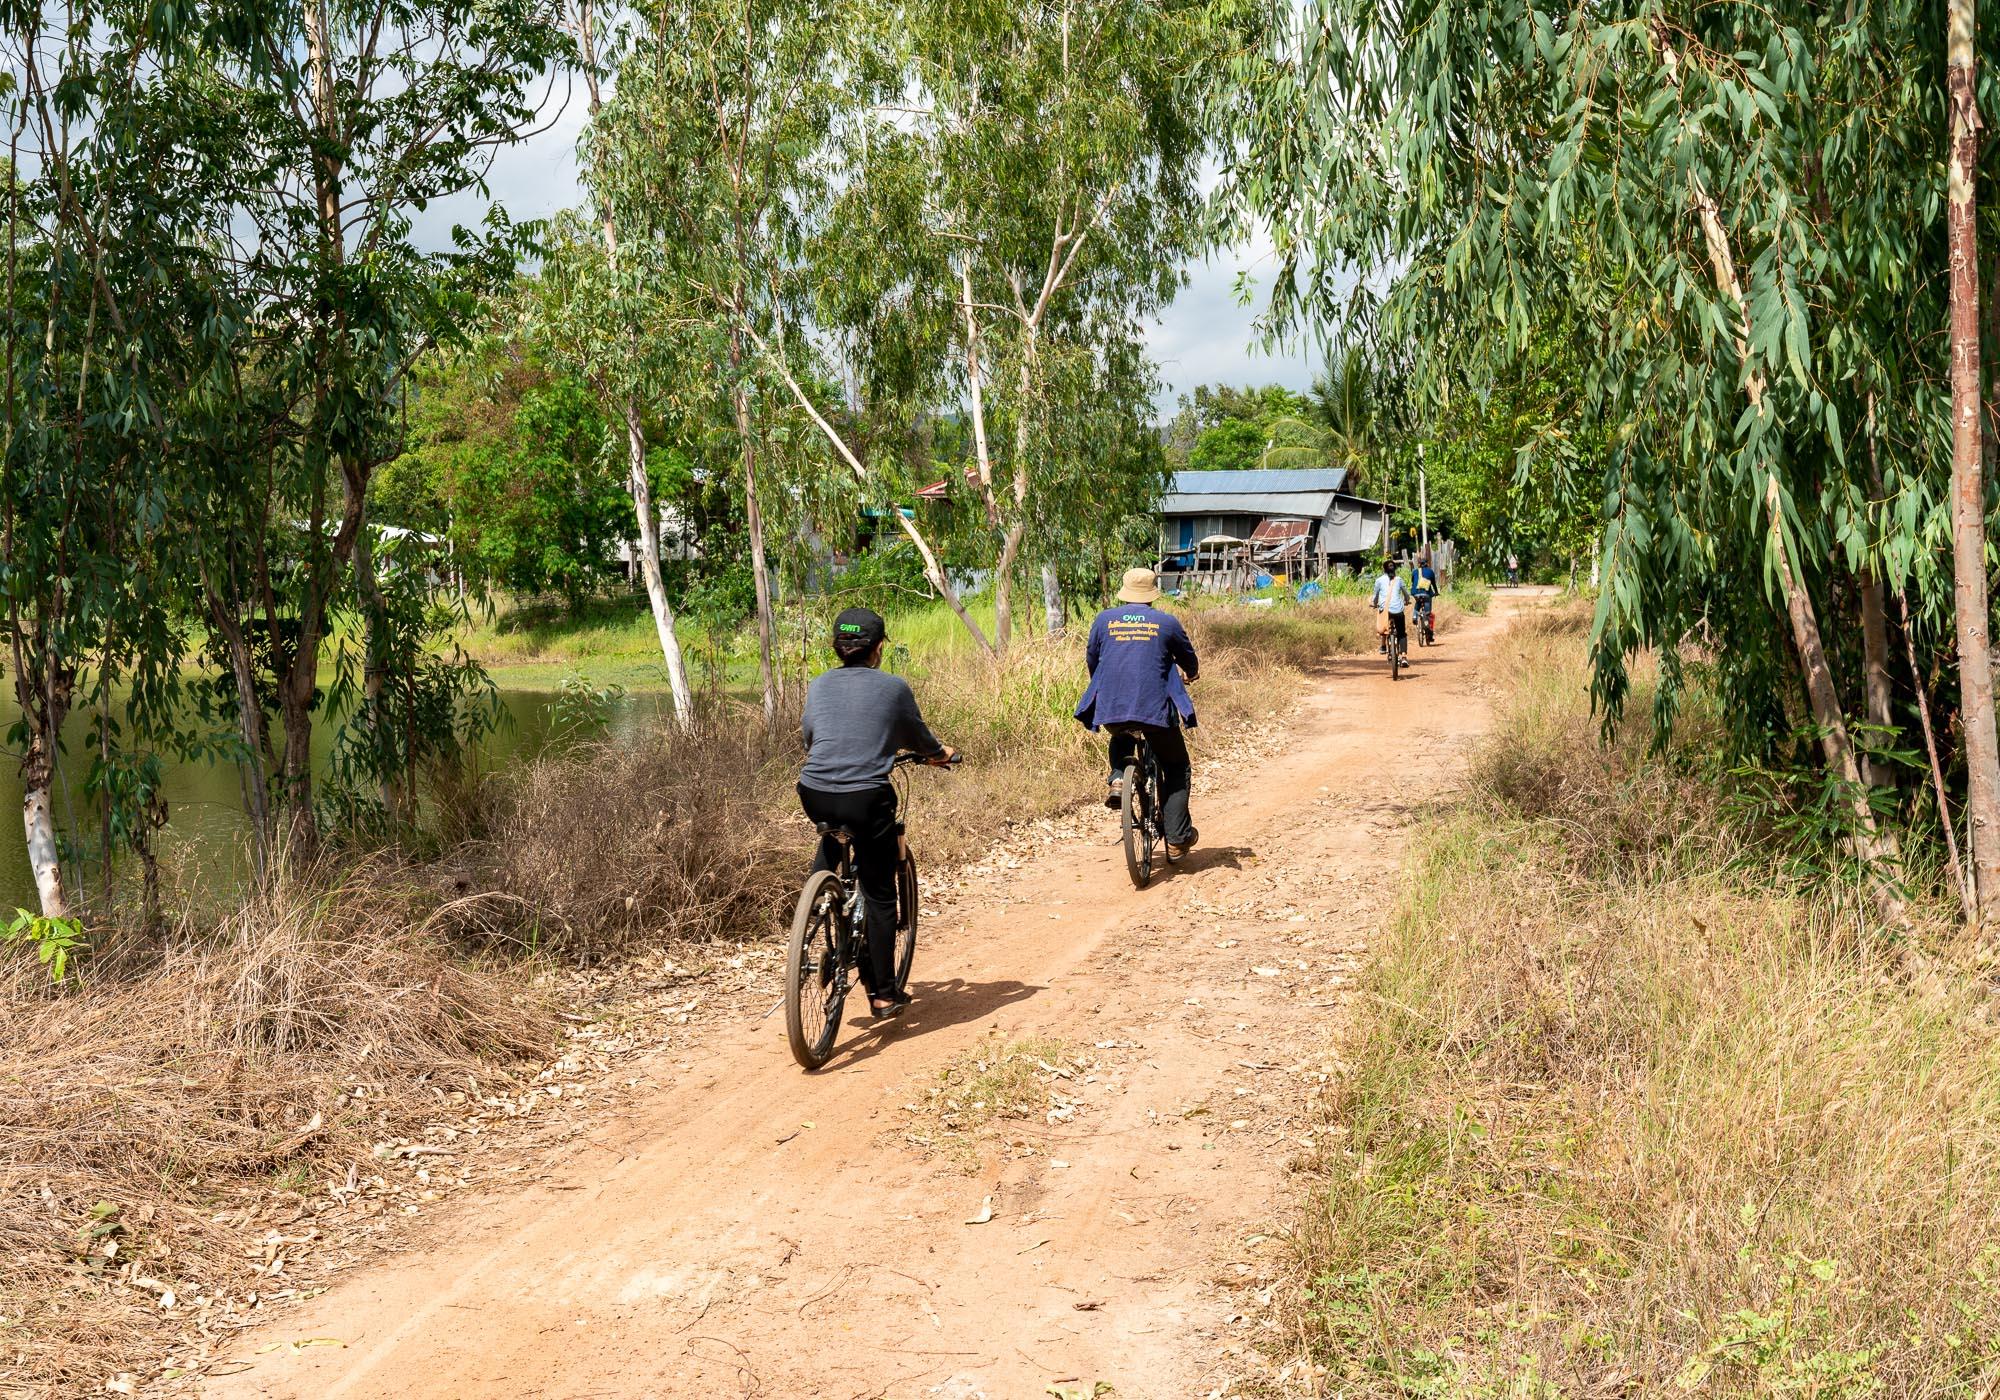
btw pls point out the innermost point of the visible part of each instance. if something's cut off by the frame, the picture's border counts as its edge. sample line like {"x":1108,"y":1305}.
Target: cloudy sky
{"x":1205,"y":337}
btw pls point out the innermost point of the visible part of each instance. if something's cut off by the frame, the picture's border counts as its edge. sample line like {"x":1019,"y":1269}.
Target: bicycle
{"x":1399,"y":644}
{"x":830,"y":937}
{"x":1139,"y":812}
{"x":1426,"y":621}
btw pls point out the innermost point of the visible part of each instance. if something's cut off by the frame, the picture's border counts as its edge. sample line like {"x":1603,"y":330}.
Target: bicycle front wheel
{"x":1134,"y":819}
{"x":906,"y":918}
{"x":815,"y":981}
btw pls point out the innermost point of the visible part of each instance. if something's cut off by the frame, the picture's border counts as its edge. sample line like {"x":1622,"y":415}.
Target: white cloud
{"x":1208,"y":337}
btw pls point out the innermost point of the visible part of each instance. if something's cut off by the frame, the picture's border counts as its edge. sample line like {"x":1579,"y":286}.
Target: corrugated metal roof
{"x":1260,"y":482}
{"x":1308,"y":503}
{"x":1272,"y":531}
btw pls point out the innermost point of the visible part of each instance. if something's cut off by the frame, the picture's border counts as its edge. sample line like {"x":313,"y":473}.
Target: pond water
{"x":204,"y":843}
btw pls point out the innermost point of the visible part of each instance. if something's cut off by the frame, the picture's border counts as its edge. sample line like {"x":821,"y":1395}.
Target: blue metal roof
{"x":1258,"y":483}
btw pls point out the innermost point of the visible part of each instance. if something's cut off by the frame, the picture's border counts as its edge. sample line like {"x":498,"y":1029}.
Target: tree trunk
{"x":38,"y":818}
{"x":250,"y":728}
{"x":375,"y":675}
{"x":760,"y":572}
{"x":648,"y":544}
{"x":637,"y":485}
{"x":1975,"y":658}
{"x":295,"y":698}
{"x":933,"y":570}
{"x":1052,"y":601}
{"x":1875,"y":667}
{"x":1003,"y":589}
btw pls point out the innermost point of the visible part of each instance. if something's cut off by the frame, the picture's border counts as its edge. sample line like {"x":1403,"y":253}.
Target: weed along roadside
{"x":1640,"y":1104}
{"x":208,"y":1130}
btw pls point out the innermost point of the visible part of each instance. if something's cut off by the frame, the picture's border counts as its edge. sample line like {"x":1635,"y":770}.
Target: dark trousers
{"x":1399,"y":629}
{"x":1176,"y":773}
{"x":871,"y":816}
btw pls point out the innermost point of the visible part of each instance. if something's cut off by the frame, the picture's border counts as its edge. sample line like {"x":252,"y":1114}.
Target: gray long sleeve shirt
{"x":857,"y":720}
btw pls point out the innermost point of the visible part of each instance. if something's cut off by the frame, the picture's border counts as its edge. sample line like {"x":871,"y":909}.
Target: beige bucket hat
{"x":1140,"y":586}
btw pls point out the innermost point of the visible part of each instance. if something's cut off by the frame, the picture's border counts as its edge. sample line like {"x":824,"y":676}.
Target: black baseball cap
{"x":862,"y":626}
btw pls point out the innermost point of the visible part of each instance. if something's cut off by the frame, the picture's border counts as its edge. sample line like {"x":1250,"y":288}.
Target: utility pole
{"x":1423,"y":504}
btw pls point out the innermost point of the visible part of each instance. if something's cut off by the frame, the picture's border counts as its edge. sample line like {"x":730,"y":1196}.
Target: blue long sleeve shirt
{"x":1137,"y":654}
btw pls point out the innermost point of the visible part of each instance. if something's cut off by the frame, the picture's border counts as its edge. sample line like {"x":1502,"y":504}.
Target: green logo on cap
{"x":850,"y":627}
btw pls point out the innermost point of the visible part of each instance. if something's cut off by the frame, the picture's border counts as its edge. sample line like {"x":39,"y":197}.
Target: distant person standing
{"x":1513,"y":570}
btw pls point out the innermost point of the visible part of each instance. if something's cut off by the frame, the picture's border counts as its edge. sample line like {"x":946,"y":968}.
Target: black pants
{"x":1399,"y":629}
{"x":1176,"y":773}
{"x":871,"y":816}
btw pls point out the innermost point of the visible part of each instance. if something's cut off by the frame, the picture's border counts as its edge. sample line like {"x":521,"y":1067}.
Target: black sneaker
{"x":1114,"y":796}
{"x":891,"y":1006}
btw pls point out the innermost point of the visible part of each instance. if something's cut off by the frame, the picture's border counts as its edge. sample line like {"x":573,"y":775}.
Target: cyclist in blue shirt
{"x":1423,"y":587}
{"x":1138,"y":654}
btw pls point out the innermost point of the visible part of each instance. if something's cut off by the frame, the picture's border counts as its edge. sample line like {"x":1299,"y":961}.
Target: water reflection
{"x":204,"y":841}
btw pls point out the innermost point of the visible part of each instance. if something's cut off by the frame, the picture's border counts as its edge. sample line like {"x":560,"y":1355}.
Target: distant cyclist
{"x":1390,"y":600}
{"x":1424,"y":587}
{"x":1138,"y":654}
{"x":857,"y":719}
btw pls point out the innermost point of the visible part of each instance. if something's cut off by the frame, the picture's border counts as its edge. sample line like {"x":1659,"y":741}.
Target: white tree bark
{"x":1053,"y":611}
{"x":636,"y":483}
{"x":933,"y":570}
{"x":649,"y":565}
{"x":44,"y":856}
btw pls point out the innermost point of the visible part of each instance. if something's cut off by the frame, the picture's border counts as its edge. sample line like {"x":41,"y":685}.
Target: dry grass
{"x":994,"y":1082}
{"x":589,"y":851}
{"x":1632,"y":1118}
{"x":289,"y":1040}
{"x":187,"y":1079}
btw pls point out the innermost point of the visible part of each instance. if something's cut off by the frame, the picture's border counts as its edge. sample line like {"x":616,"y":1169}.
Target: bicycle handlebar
{"x":912,"y":760}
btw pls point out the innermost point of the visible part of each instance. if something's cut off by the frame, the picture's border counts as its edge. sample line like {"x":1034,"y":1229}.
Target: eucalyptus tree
{"x":1740,"y":205}
{"x":1027,"y":173}
{"x":108,"y":193}
{"x":600,"y":309}
{"x":349,"y":118}
{"x":1968,"y":487}
{"x":711,"y":151}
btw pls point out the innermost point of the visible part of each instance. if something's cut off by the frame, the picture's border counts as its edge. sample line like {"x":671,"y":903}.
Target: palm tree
{"x":1346,"y":400}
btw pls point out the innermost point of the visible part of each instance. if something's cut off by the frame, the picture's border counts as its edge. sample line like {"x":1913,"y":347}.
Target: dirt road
{"x":754,"y":1231}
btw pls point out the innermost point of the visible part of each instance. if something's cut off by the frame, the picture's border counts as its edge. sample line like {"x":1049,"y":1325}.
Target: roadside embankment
{"x":1633,"y":1113}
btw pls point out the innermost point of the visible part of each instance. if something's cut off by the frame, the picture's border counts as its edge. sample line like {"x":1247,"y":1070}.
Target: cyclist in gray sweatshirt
{"x":857,"y":719}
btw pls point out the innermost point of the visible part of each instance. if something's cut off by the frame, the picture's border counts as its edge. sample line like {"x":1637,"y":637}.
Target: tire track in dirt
{"x":748,"y":1230}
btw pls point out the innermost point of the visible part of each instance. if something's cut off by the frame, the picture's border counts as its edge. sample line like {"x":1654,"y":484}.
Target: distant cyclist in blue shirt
{"x":1138,"y":654}
{"x":1424,"y":588}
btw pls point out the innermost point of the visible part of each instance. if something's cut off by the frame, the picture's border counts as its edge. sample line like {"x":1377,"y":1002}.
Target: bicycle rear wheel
{"x":1134,"y":810}
{"x":906,"y":917}
{"x":815,"y":981}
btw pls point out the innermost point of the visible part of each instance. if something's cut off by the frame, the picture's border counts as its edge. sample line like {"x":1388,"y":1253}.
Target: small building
{"x":1297,"y":522}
